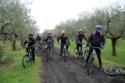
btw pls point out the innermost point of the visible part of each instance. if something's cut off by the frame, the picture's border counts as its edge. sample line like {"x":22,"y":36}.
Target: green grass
{"x":15,"y":73}
{"x":118,"y":60}
{"x":108,"y":59}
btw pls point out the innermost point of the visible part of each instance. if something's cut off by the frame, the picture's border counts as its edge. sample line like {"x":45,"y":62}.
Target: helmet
{"x":80,"y":30}
{"x":30,"y":34}
{"x":63,"y":31}
{"x":49,"y":33}
{"x":98,"y":26}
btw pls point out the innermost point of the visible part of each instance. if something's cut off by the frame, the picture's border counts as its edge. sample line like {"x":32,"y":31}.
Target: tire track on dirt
{"x":73,"y":71}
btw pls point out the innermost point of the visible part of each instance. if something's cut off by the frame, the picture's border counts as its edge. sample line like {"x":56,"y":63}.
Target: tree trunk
{"x":114,"y":46}
{"x":14,"y":44}
{"x":4,"y":40}
{"x":22,"y":42}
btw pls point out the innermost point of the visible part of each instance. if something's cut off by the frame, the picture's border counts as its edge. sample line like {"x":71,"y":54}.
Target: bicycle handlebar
{"x":84,"y":46}
{"x":31,"y":46}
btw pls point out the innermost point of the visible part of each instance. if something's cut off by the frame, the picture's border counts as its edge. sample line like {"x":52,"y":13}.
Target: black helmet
{"x":30,"y":34}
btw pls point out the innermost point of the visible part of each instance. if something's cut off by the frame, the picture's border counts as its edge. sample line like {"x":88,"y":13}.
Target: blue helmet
{"x":98,"y":26}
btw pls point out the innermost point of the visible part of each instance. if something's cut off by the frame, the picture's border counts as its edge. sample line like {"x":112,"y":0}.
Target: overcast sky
{"x":49,"y":13}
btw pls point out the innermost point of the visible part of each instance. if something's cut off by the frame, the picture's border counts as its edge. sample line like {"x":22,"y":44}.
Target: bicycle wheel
{"x":89,"y":68}
{"x":45,"y":56}
{"x":75,"y":53}
{"x":64,"y":54}
{"x":64,"y":57}
{"x":90,"y":64}
{"x":26,"y":61}
{"x":85,"y":54}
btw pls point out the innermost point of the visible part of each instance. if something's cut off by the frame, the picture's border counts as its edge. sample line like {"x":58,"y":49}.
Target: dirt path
{"x":73,"y":71}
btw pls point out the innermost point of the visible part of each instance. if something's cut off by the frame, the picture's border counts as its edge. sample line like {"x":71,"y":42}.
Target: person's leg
{"x":67,"y":47}
{"x":77,"y":53}
{"x":33,"y":54}
{"x":80,"y":49}
{"x":77,"y":46}
{"x":61,"y":48}
{"x":89,"y":53}
{"x":98,"y":52}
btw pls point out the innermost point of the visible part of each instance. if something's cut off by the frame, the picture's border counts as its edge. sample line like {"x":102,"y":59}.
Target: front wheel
{"x":89,"y":68}
{"x":26,"y":61}
{"x":65,"y":57}
{"x":85,"y":54}
{"x":64,"y":54}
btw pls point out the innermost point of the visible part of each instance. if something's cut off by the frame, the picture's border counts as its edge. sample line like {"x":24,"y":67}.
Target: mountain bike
{"x":27,"y":60}
{"x":115,"y":70}
{"x":91,"y":59}
{"x":47,"y":51}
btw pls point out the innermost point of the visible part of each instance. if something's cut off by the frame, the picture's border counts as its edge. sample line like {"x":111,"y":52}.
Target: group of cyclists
{"x":96,"y":39}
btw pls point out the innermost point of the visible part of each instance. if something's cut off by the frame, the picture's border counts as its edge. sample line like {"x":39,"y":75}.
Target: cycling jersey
{"x":79,"y":39}
{"x":63,"y":39}
{"x":96,"y":39}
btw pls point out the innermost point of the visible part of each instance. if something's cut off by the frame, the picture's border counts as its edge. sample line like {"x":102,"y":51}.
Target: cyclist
{"x":49,"y":39}
{"x":96,"y":39}
{"x":38,"y":38}
{"x":38,"y":44}
{"x":29,"y":43}
{"x":64,"y":40}
{"x":49,"y":42}
{"x":79,"y":39}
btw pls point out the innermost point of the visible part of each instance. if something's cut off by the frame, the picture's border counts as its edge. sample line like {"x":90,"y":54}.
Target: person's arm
{"x":89,"y":40}
{"x":103,"y":40}
{"x":25,"y":43}
{"x":77,"y":39}
{"x":68,"y":41}
{"x":58,"y":38}
{"x":84,"y":37}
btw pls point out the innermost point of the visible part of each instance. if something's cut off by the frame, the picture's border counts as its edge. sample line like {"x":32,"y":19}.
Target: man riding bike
{"x":79,"y":40}
{"x":30,"y":44}
{"x":38,"y":38}
{"x":64,"y":41}
{"x":49,"y":42}
{"x":97,"y":40}
{"x":49,"y":39}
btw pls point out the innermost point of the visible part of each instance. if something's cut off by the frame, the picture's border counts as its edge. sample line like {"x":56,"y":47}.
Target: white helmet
{"x":80,"y":30}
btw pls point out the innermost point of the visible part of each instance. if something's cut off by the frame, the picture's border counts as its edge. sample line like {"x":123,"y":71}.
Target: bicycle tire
{"x":89,"y":65}
{"x":45,"y":56}
{"x":85,"y":54}
{"x":65,"y":56}
{"x":25,"y":61}
{"x":89,"y":68}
